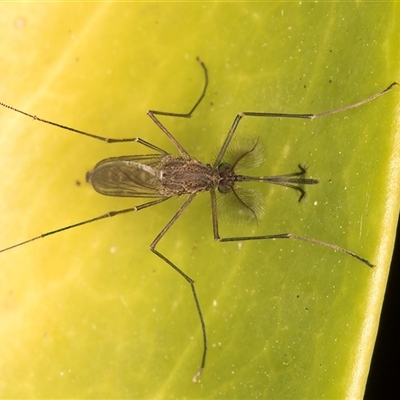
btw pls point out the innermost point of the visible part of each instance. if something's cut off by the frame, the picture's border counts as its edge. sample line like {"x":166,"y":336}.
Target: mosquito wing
{"x":127,"y":176}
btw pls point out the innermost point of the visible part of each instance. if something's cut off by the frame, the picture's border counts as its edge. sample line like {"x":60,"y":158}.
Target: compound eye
{"x":223,"y":167}
{"x":223,"y":189}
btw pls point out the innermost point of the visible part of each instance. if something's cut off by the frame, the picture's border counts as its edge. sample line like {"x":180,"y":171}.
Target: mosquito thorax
{"x":179,"y":176}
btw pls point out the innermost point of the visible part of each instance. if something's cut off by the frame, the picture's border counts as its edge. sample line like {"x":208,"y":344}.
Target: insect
{"x":160,"y":176}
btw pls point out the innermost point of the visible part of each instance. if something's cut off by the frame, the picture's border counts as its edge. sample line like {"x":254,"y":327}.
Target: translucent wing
{"x":127,"y":176}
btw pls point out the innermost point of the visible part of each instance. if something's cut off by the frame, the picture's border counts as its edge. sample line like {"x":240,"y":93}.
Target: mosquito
{"x":160,"y":176}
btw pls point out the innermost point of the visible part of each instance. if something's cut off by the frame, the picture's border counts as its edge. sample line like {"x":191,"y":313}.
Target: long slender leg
{"x":186,"y":277}
{"x":275,"y":236}
{"x":152,"y":113}
{"x":88,"y":221}
{"x":188,"y":114}
{"x":97,"y":137}
{"x":152,"y":248}
{"x":288,"y":115}
{"x":297,"y":237}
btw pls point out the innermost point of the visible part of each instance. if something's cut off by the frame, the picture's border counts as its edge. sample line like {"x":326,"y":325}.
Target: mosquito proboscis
{"x":161,"y":176}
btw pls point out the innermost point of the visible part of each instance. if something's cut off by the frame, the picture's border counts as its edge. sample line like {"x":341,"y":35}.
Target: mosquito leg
{"x":152,"y":113}
{"x":188,"y":114}
{"x":358,"y":104}
{"x":88,"y":221}
{"x":198,"y":308}
{"x":125,"y":140}
{"x":289,"y":115}
{"x":187,"y":278}
{"x":297,"y":237}
{"x":97,"y":137}
{"x":275,"y":236}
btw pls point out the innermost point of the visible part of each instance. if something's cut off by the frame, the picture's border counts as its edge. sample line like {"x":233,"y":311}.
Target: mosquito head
{"x":242,"y":154}
{"x":226,"y":178}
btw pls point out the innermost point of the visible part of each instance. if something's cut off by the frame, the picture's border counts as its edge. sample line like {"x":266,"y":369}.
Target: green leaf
{"x":91,"y":312}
